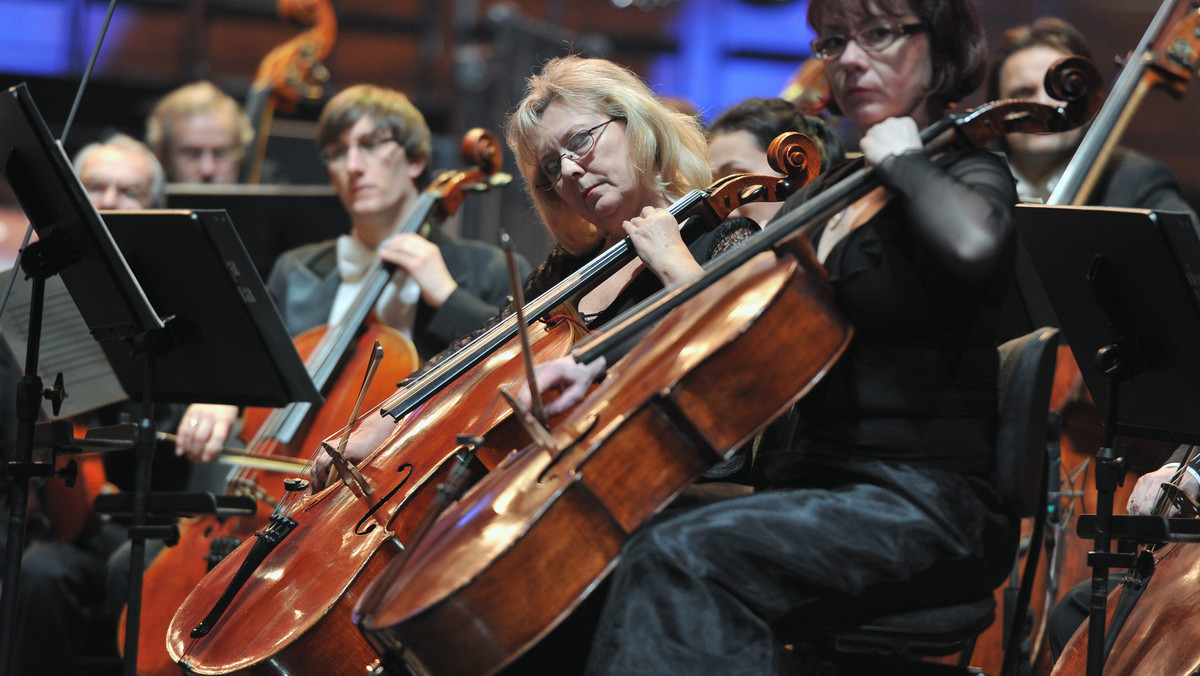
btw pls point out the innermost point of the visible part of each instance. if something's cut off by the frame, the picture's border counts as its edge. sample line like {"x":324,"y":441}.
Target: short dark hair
{"x":766,"y":118}
{"x":957,"y":50}
{"x":388,"y":108}
{"x":1047,"y":31}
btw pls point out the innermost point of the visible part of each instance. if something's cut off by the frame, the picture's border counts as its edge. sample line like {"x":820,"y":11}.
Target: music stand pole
{"x":138,"y":532}
{"x":21,"y":467}
{"x":1109,"y":471}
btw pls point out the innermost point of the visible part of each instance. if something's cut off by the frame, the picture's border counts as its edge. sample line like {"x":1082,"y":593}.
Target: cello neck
{"x":581,"y":281}
{"x":340,"y":338}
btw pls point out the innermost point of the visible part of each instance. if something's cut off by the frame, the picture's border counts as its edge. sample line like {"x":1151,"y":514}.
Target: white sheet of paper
{"x":67,"y":346}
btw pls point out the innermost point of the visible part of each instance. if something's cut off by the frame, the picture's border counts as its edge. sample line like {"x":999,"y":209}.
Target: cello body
{"x":297,"y":603}
{"x":676,"y":405}
{"x":1161,"y":636}
{"x":206,"y":540}
{"x":298,"y":432}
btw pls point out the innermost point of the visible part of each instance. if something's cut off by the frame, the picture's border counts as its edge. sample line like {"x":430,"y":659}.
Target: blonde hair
{"x":667,"y":146}
{"x":193,"y":99}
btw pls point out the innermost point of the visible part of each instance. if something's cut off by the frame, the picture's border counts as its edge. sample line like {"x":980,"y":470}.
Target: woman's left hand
{"x":655,"y":235}
{"x":893,"y":136}
{"x":570,"y":378}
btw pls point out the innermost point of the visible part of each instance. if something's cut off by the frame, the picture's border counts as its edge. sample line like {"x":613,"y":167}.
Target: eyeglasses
{"x":577,"y":146}
{"x":372,"y":147}
{"x":874,"y":37}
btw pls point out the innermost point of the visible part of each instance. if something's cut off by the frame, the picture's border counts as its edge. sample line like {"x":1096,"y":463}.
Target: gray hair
{"x":158,"y":184}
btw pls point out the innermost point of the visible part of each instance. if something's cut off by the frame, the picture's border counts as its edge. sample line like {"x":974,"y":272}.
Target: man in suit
{"x":1038,"y":160}
{"x":375,"y":145}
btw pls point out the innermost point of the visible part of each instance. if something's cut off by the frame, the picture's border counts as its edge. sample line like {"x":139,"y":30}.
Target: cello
{"x":272,"y":608}
{"x":1164,"y":597}
{"x":682,"y":399}
{"x":292,"y":431}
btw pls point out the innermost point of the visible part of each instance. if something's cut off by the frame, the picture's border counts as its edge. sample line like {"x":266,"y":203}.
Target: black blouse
{"x":918,"y":381}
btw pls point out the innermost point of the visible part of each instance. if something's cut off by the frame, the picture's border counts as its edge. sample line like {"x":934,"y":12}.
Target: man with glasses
{"x":375,"y":145}
{"x":200,"y":134}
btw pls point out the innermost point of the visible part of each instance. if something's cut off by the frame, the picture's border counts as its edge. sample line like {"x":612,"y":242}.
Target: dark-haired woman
{"x":884,"y":498}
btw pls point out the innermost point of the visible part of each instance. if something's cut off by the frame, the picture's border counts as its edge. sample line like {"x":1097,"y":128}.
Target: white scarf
{"x":397,"y":305}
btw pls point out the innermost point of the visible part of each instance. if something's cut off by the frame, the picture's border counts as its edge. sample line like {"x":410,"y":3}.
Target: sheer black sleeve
{"x":961,"y":205}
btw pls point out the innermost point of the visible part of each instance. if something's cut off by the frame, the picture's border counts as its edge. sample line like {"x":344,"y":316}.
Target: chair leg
{"x":964,"y":657}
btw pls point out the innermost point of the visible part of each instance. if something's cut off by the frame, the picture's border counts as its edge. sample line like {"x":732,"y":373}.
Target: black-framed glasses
{"x":873,"y":37}
{"x":372,"y":146}
{"x":577,"y":146}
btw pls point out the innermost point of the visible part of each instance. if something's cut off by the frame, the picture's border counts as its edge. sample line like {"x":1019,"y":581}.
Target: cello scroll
{"x":1073,"y":79}
{"x":481,"y":149}
{"x":793,"y":154}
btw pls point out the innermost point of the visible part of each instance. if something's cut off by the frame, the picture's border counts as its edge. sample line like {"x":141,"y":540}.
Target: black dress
{"x":884,"y":501}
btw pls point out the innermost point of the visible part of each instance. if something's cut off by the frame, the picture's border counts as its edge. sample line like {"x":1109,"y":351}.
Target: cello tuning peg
{"x":69,"y":473}
{"x":753,"y":194}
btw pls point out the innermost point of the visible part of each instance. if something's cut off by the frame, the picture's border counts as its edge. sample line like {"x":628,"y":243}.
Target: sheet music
{"x":67,"y":346}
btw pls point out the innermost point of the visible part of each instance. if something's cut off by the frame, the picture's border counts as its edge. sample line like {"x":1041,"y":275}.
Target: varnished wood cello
{"x":274,"y":606}
{"x":730,"y":351}
{"x":333,"y":355}
{"x":1158,"y":632}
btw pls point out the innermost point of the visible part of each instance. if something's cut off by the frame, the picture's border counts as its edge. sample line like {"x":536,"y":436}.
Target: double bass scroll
{"x":289,"y":73}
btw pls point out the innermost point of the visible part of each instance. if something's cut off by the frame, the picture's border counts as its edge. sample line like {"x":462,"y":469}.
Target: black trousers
{"x":708,"y":589}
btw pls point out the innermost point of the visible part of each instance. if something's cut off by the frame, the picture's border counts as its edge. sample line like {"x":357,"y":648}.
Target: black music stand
{"x":76,"y":244}
{"x":1125,"y":285}
{"x":270,"y":219}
